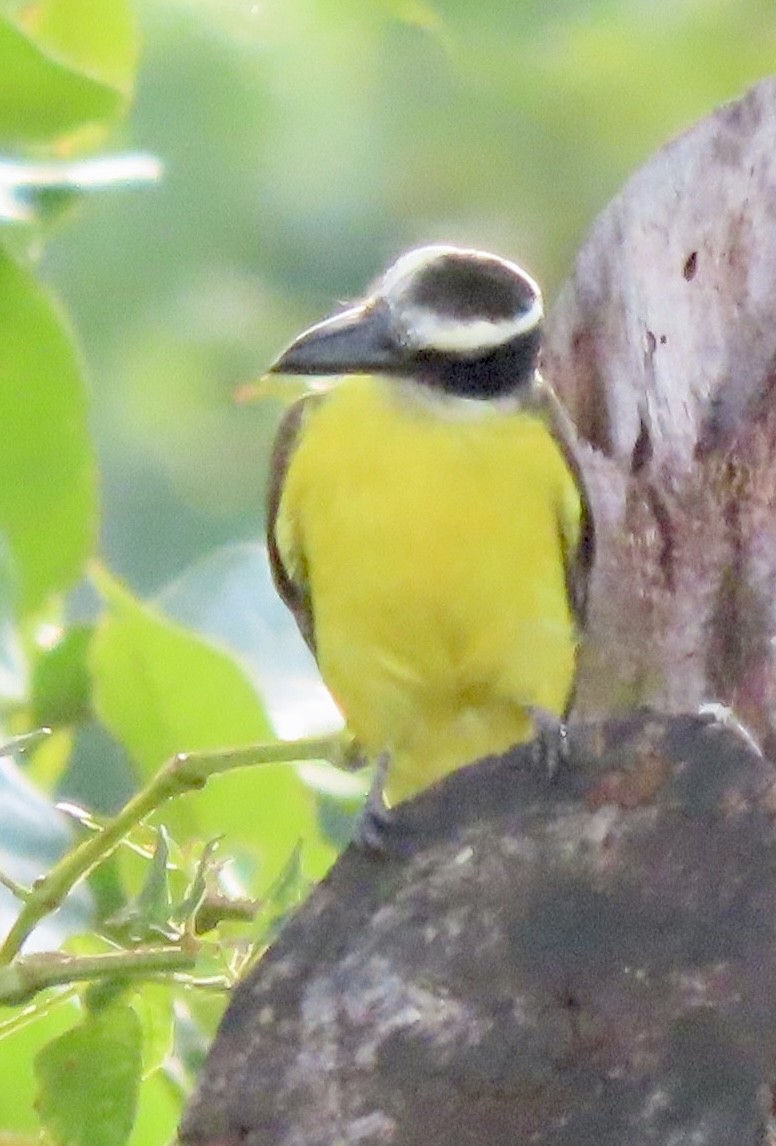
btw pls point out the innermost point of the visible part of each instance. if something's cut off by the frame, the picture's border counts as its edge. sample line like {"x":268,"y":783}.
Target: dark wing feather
{"x":580,"y":563}
{"x":294,"y":591}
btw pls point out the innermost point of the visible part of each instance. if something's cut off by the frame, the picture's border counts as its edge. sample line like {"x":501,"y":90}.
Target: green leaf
{"x":153,"y":1005}
{"x":154,"y":901}
{"x":88,"y":1080}
{"x":160,"y":690}
{"x":159,"y":1111}
{"x":95,"y":37}
{"x":41,"y":98}
{"x":61,"y":685}
{"x":228,"y":597}
{"x":147,"y":916}
{"x":47,"y":474}
{"x":196,"y":890}
{"x":23,"y":1034}
{"x":282,"y":898}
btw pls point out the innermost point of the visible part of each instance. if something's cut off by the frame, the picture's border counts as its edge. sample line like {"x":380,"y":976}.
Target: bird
{"x":427,"y":521}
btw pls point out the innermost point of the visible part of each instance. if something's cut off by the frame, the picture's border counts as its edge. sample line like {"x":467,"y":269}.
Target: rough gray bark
{"x":663,"y":348}
{"x":584,"y":961}
{"x":587,"y":961}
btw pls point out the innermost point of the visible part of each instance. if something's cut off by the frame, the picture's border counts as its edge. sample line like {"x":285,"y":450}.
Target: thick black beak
{"x":356,"y":341}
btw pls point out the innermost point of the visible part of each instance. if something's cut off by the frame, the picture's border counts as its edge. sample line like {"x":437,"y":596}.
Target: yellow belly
{"x":434,"y":547}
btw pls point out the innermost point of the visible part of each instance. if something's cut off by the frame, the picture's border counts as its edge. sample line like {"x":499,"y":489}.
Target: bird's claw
{"x":551,"y":743}
{"x":376,"y":818}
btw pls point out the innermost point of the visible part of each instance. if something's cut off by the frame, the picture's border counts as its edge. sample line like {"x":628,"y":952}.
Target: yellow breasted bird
{"x":427,"y":525}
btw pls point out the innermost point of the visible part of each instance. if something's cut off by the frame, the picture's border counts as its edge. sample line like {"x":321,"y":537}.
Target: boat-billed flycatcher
{"x":426,"y":526}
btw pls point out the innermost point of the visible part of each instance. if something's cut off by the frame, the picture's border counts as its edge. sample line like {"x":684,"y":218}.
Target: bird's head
{"x":459,"y":321}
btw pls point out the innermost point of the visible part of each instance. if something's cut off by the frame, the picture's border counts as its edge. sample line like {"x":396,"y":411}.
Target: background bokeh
{"x":305,"y":143}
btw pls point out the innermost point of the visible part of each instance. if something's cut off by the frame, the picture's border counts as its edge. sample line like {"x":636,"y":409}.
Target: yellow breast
{"x":434,"y":540}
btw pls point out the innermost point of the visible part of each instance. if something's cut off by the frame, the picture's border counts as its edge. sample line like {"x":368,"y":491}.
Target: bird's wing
{"x":291,"y":585}
{"x":579,"y":550}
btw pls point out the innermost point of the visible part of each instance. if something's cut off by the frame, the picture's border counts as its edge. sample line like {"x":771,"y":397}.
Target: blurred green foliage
{"x":304,"y":143}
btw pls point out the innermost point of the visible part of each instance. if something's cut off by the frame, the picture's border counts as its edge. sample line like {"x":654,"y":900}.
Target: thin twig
{"x":182,"y":773}
{"x":24,"y":742}
{"x":34,"y":973}
{"x":16,"y":889}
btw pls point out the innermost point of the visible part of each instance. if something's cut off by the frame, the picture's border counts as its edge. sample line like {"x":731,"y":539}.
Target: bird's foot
{"x":376,"y":818}
{"x":551,"y":743}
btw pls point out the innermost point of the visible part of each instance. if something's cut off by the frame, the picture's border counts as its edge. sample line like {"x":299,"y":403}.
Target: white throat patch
{"x":454,"y":407}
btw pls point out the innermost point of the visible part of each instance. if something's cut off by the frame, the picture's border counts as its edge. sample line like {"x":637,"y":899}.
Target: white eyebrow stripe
{"x":428,"y":330}
{"x":407,"y":264}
